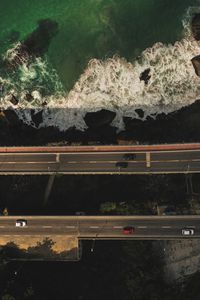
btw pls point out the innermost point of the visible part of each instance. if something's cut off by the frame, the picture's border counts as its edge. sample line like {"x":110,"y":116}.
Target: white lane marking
{"x":117,"y":227}
{"x":70,"y":226}
{"x":166,"y":226}
{"x":11,"y":235}
{"x":47,"y":226}
{"x":94,"y":226}
{"x":148,"y":159}
{"x":142,"y":226}
{"x":2,"y":226}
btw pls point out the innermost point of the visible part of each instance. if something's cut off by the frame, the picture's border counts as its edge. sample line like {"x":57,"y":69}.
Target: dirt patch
{"x":38,"y":247}
{"x":182,"y":258}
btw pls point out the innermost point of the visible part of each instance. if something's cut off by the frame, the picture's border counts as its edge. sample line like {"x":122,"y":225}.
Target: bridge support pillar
{"x":189,"y":185}
{"x":48,"y":188}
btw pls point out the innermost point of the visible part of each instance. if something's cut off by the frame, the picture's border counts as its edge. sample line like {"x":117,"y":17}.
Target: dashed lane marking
{"x":142,"y":226}
{"x":94,"y":226}
{"x":47,"y":226}
{"x":166,"y":226}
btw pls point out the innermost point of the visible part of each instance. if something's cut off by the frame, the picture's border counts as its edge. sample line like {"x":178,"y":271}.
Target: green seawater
{"x":93,"y":28}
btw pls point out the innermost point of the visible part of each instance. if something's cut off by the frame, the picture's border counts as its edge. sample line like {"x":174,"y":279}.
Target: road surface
{"x":102,"y":227}
{"x":147,"y":160}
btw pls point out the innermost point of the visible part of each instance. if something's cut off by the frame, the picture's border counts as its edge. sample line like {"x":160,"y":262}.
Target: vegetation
{"x":116,"y":269}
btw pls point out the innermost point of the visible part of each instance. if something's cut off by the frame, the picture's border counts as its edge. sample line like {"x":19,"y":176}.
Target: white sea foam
{"x":113,"y":84}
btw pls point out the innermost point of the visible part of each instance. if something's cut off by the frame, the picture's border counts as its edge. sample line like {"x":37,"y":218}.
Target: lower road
{"x":101,"y":162}
{"x":102,"y":227}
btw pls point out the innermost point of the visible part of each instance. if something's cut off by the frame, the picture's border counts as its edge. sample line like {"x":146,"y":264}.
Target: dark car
{"x":129,"y":156}
{"x":121,"y":164}
{"x":128,"y":230}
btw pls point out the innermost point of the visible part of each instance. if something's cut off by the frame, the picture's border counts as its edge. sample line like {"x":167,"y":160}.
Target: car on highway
{"x":121,"y":164}
{"x":128,"y":230}
{"x":129,"y":156}
{"x":80,"y":213}
{"x":187,"y":231}
{"x":21,"y":223}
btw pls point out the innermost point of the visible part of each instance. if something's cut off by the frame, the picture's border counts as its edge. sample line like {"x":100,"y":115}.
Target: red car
{"x":128,"y":230}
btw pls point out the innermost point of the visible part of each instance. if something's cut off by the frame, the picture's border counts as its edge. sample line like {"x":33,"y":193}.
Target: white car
{"x":21,"y":223}
{"x":187,"y":231}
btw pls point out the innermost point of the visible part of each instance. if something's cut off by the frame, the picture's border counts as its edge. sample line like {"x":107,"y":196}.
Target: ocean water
{"x":96,"y":57}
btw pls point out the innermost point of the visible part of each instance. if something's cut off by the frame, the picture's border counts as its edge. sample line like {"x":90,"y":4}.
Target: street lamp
{"x":93,"y":240}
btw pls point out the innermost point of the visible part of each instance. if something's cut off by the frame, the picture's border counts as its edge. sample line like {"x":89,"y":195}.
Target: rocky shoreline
{"x":180,"y":126}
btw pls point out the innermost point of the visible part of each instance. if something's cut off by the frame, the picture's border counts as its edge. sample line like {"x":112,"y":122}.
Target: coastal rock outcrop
{"x":196,"y":64}
{"x":139,"y":112}
{"x":11,"y":117}
{"x":37,"y":43}
{"x":34,"y":45}
{"x":145,"y":76}
{"x":100,"y":118}
{"x":13,"y":99}
{"x":37,"y":117}
{"x":195,"y":24}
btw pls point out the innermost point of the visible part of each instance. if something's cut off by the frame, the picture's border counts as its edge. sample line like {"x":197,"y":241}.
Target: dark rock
{"x":44,"y":103}
{"x":196,"y":64}
{"x":161,"y":116}
{"x":37,"y":117}
{"x":13,"y":99}
{"x":100,"y":118}
{"x":149,"y":118}
{"x":37,"y":43}
{"x":131,"y":123}
{"x":28,"y":97}
{"x":196,"y":26}
{"x":145,"y":76}
{"x":139,"y":112}
{"x":3,"y":120}
{"x":11,"y":117}
{"x":105,"y":134}
{"x":74,"y":135}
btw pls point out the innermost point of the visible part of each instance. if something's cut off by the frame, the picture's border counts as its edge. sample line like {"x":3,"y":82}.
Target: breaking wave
{"x":112,"y":84}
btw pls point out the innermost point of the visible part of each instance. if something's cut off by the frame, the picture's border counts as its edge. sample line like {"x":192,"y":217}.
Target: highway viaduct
{"x":148,"y":159}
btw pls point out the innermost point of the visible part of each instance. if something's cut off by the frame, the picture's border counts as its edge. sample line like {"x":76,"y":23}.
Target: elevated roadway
{"x":154,"y":159}
{"x":102,"y":227}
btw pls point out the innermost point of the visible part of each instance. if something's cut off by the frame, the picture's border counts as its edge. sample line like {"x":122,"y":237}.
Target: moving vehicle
{"x":129,"y":156}
{"x":128,"y":230}
{"x":80,"y":213}
{"x":187,"y":231}
{"x":21,"y":223}
{"x":121,"y":164}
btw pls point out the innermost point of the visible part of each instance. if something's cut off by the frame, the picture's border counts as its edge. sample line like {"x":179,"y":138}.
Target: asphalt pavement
{"x":102,"y":227}
{"x":145,"y":162}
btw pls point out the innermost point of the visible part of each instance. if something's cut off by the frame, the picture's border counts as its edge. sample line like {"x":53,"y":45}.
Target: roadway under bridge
{"x":111,"y":159}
